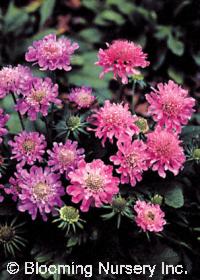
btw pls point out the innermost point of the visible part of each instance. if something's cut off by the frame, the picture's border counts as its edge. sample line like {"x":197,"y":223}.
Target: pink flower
{"x":122,"y":58}
{"x":114,"y":120}
{"x":65,"y":157}
{"x":93,"y":184}
{"x":3,"y":120}
{"x":52,"y":53}
{"x":38,"y":94}
{"x":149,"y":216}
{"x":165,"y":152}
{"x":82,"y":97}
{"x":14,"y":188}
{"x":132,"y":159}
{"x":28,"y":147}
{"x":170,"y":106}
{"x":41,"y":191}
{"x":12,"y":79}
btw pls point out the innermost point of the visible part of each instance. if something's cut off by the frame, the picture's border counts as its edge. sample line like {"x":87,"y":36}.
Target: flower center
{"x":94,"y":182}
{"x":6,"y":234}
{"x":69,"y":214}
{"x":164,"y":150}
{"x":170,"y":106}
{"x":132,"y":160}
{"x":41,"y":190}
{"x":51,"y":49}
{"x":38,"y":96}
{"x":74,"y":123}
{"x":196,"y":154}
{"x":66,"y":156}
{"x":84,"y":99}
{"x":150,"y":216}
{"x":28,"y":145}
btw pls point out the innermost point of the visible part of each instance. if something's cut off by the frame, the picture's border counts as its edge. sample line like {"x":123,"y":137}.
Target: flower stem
{"x":133,"y":93}
{"x":19,"y":115}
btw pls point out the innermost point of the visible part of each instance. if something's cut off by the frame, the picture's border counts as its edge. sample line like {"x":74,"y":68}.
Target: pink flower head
{"x":28,"y":147}
{"x":41,"y":191}
{"x":122,"y":58}
{"x":65,"y":157}
{"x":132,"y":159}
{"x":93,"y":184}
{"x":82,"y":97}
{"x":149,"y":216}
{"x":12,"y":79}
{"x":52,"y":53}
{"x":114,"y":120}
{"x":37,"y":96}
{"x":3,"y":120}
{"x":170,"y":106}
{"x":14,"y":188}
{"x":165,"y":152}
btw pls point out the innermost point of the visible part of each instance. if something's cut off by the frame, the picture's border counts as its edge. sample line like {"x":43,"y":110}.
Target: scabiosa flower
{"x":12,"y":79}
{"x":38,"y":94}
{"x":14,"y":188}
{"x":165,"y":152}
{"x":3,"y":120}
{"x":149,"y":216}
{"x":40,"y":191}
{"x":52,"y":53}
{"x":93,"y":184}
{"x":132,"y":159}
{"x":170,"y":105}
{"x":82,"y":97}
{"x":114,"y":120}
{"x":64,"y":157}
{"x":122,"y":58}
{"x":28,"y":147}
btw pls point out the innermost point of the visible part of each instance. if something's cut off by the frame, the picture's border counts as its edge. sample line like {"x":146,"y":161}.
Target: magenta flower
{"x":114,"y":120}
{"x":52,"y":53}
{"x":82,"y":97}
{"x":149,"y":216}
{"x":170,"y":106}
{"x":93,"y":184}
{"x":12,"y":79}
{"x":14,"y":188}
{"x":28,"y":147}
{"x":38,"y":95}
{"x":3,"y":120}
{"x":65,"y":157}
{"x":122,"y":58}
{"x":41,"y":191}
{"x":165,"y":152}
{"x":132,"y":159}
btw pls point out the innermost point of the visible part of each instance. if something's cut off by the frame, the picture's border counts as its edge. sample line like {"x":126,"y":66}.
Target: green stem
{"x":19,"y":115}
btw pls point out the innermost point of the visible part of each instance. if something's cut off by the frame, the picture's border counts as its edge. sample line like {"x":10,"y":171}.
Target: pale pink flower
{"x":93,"y":184}
{"x":3,"y":120}
{"x":82,"y":97}
{"x":170,"y":105}
{"x":149,"y":216}
{"x":28,"y":147}
{"x":114,"y":120}
{"x":165,"y":152}
{"x":122,"y":58}
{"x":132,"y":159}
{"x":12,"y":79}
{"x":40,"y":191}
{"x":65,"y":157}
{"x":52,"y":53}
{"x":38,"y":95}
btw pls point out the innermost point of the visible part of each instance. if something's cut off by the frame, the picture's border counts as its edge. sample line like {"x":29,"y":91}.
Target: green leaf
{"x":91,"y":5}
{"x":175,"y":75}
{"x":14,"y":19}
{"x":196,"y":57}
{"x":46,"y":10}
{"x":162,"y":32}
{"x":174,"y":196}
{"x":175,"y":45}
{"x":109,"y":16}
{"x":91,"y":35}
{"x":72,"y":241}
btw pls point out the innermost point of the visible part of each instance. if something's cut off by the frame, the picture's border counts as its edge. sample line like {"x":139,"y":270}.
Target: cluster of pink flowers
{"x":82,"y":97}
{"x":65,"y":157}
{"x":12,"y":79}
{"x":122,"y":58}
{"x":93,"y":184}
{"x":114,"y":120}
{"x":39,"y":190}
{"x":52,"y":53}
{"x":38,"y":94}
{"x":28,"y":147}
{"x":3,"y":120}
{"x":170,"y":106}
{"x":149,"y":216}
